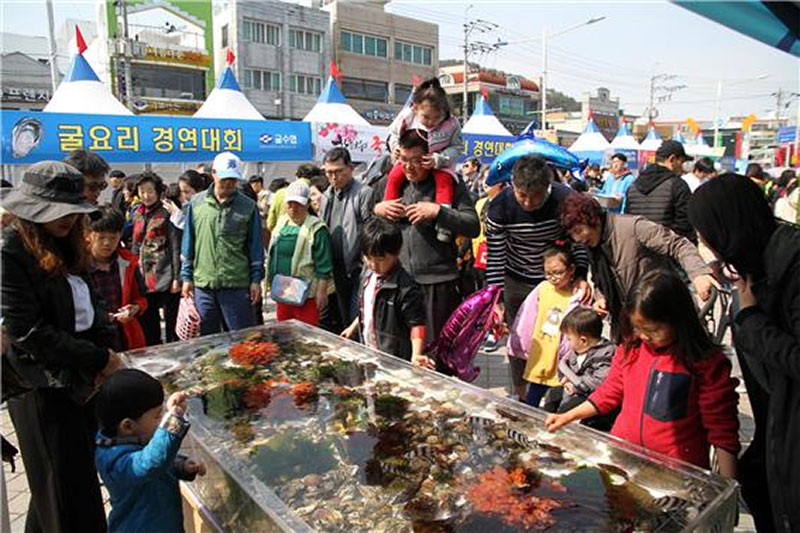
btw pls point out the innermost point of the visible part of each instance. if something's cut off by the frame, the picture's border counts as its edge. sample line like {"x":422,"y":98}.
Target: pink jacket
{"x":521,"y":334}
{"x":444,"y":141}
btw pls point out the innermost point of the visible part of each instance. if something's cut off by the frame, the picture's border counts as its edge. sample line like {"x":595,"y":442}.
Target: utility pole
{"x":660,"y":93}
{"x":778,"y":103}
{"x":543,"y":85}
{"x":481,"y":26}
{"x":51,"y":41}
{"x":127,"y":51}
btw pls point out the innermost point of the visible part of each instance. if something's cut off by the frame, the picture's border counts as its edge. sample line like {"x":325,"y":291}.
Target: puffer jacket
{"x":768,"y":337}
{"x":660,"y":195}
{"x":589,"y":375}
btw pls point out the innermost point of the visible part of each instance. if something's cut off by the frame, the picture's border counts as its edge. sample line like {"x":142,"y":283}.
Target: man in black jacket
{"x":659,"y":194}
{"x":432,"y":263}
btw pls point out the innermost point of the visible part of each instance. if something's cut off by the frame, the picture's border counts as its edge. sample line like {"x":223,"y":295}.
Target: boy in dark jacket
{"x":659,"y":194}
{"x":137,"y":453}
{"x":587,"y":364}
{"x":392,"y":308}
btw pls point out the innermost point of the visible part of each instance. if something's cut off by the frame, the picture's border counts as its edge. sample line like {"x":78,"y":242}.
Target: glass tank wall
{"x":302,"y":430}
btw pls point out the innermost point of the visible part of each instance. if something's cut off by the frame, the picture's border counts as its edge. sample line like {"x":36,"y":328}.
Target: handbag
{"x":187,"y":325}
{"x":289,"y":290}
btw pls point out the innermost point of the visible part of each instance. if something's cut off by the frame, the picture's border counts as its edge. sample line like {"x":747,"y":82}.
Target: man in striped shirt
{"x":522,"y":222}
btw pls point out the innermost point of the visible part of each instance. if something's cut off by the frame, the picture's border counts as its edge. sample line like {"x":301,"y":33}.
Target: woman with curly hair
{"x":623,"y":247}
{"x":58,"y":349}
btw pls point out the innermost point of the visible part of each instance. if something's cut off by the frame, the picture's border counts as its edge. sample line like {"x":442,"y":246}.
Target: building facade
{"x":282,"y":54}
{"x":25,"y":71}
{"x":380,"y":55}
{"x":513,"y":99}
{"x":171,"y":54}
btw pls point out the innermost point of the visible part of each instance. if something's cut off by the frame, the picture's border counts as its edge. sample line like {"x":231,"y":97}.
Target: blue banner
{"x":786,"y":135}
{"x":485,"y":147}
{"x":31,"y":136}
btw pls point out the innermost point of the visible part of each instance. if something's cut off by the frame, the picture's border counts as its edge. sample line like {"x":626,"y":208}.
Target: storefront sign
{"x":170,"y":55}
{"x":25,"y":94}
{"x":29,"y":137}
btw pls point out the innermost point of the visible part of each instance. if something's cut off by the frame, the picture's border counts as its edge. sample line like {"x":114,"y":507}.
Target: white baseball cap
{"x":227,"y":165}
{"x":297,"y":191}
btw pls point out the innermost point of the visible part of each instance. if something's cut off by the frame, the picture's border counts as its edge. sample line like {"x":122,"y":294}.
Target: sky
{"x":621,"y":52}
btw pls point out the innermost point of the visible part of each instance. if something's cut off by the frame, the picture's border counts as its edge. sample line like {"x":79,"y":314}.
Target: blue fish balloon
{"x":557,"y":156}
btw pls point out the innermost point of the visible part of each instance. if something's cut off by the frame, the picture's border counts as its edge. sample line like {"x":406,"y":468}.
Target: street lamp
{"x":543,"y":86}
{"x":718,"y":110}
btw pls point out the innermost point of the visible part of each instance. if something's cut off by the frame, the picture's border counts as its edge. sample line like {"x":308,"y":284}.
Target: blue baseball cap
{"x":227,"y":165}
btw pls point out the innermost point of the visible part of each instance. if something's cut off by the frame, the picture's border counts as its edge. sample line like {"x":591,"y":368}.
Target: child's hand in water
{"x":428,"y":161}
{"x":193,"y":466}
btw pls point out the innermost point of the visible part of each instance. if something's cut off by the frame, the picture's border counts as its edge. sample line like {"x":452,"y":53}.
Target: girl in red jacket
{"x":672,"y":382}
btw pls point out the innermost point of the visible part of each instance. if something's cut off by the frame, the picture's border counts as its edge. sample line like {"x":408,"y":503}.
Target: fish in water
{"x":670,"y":504}
{"x":613,"y":470}
{"x":480,"y":422}
{"x":519,"y":438}
{"x":505,"y":413}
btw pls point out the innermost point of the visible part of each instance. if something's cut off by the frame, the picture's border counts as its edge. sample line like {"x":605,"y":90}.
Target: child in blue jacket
{"x":137,"y":453}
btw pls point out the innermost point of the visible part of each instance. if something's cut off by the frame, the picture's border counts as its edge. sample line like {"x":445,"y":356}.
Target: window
{"x":401,"y":93}
{"x":367,"y":45}
{"x":258,"y":32}
{"x":413,"y":53}
{"x":366,"y":89}
{"x":311,"y":85}
{"x":167,"y":82}
{"x":224,"y":36}
{"x":262,"y":80}
{"x":512,"y":106}
{"x":305,"y":40}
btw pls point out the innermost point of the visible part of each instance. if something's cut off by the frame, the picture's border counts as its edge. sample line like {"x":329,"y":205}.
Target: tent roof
{"x":228,"y":101}
{"x":332,"y":106}
{"x":652,"y":142}
{"x":700,"y":147}
{"x":678,"y":136}
{"x":624,"y":140}
{"x":483,"y":121}
{"x":82,"y":92}
{"x":591,"y":140}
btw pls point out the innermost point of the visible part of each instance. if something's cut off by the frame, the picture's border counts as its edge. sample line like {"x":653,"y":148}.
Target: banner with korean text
{"x":29,"y":136}
{"x":485,"y":147}
{"x":363,"y":142}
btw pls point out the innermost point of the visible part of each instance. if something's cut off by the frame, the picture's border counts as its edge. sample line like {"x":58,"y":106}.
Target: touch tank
{"x":302,"y":430}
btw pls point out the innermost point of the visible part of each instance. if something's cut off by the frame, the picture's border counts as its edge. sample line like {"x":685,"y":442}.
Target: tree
{"x":556,"y":99}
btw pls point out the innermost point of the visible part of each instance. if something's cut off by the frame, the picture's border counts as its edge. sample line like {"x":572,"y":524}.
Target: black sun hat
{"x":49,"y":190}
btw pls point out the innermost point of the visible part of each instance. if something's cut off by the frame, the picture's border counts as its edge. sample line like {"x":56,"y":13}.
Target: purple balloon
{"x":464,"y":332}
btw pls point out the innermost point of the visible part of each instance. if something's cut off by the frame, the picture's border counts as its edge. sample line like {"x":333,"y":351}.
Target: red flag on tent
{"x":79,"y":40}
{"x":229,"y":57}
{"x":485,"y":93}
{"x":590,"y":117}
{"x":335,"y":71}
{"x":416,"y":79}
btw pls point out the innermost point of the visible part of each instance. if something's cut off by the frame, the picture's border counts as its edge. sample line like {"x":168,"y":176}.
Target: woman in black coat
{"x":733,"y":219}
{"x":58,"y":348}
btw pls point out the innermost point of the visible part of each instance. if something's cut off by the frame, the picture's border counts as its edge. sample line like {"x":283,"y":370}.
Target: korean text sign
{"x":30,"y":136}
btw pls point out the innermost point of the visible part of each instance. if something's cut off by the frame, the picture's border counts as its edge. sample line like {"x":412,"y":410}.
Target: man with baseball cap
{"x":222,"y":253}
{"x":659,"y":194}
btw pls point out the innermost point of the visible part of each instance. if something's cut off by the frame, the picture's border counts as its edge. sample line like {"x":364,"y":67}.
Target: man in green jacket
{"x":222,"y":253}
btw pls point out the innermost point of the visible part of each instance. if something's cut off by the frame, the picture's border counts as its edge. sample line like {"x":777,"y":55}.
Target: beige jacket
{"x":635,"y":245}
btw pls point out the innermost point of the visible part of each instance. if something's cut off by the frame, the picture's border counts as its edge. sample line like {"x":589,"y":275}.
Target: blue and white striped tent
{"x":81,"y":91}
{"x":626,"y":144}
{"x":483,"y":121}
{"x":652,"y":142}
{"x":678,"y":136}
{"x":591,"y":144}
{"x":228,"y":101}
{"x":332,"y":107}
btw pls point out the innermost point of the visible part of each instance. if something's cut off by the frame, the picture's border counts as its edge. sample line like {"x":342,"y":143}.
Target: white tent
{"x":81,"y":91}
{"x":652,"y":142}
{"x":591,"y":144}
{"x":624,"y":140}
{"x":332,"y":107}
{"x":678,"y":136}
{"x":483,"y":121}
{"x":700,"y":148}
{"x":228,"y":101}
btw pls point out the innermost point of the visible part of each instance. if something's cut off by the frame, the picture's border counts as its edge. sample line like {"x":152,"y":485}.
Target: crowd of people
{"x":599,"y":301}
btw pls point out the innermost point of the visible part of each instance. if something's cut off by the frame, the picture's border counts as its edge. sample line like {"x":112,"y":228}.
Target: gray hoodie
{"x":589,"y":375}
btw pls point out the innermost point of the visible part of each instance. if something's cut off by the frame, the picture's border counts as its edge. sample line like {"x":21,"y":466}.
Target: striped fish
{"x":519,"y":438}
{"x":480,"y":422}
{"x":670,"y":504}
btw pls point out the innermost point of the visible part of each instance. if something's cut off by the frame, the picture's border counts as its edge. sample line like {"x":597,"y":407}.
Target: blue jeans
{"x":535,"y":393}
{"x":231,"y":305}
